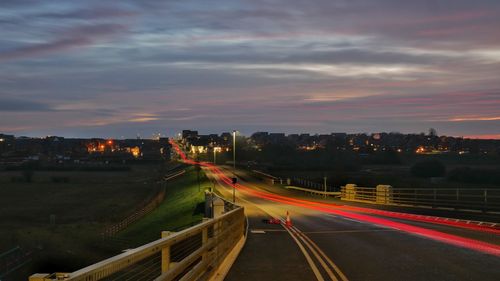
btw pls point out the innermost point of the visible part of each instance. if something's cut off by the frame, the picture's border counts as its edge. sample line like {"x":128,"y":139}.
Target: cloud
{"x":79,"y":36}
{"x":15,"y":105}
{"x":92,"y":13}
{"x":292,"y":64}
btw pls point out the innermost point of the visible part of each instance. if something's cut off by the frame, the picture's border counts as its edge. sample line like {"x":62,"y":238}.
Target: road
{"x":330,"y":240}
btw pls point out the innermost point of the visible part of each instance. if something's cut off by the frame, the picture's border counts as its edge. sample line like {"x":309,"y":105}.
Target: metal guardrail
{"x":191,"y":254}
{"x":477,"y":199}
{"x":314,"y":191}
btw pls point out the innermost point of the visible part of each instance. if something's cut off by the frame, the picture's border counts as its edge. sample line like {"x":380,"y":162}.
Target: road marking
{"x":352,"y":220}
{"x":346,"y":231}
{"x":314,"y":249}
{"x":332,"y":264}
{"x":309,"y":260}
{"x":308,"y":257}
{"x":257,"y":231}
{"x":269,"y":230}
{"x":315,"y":253}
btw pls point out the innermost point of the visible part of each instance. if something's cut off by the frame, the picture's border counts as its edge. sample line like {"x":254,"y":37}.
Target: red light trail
{"x":343,"y":211}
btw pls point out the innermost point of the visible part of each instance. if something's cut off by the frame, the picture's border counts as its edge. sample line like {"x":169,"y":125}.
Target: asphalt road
{"x":334,"y":244}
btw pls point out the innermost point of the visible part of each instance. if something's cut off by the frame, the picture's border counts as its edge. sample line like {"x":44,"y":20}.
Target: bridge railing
{"x":195,"y":253}
{"x":476,"y":199}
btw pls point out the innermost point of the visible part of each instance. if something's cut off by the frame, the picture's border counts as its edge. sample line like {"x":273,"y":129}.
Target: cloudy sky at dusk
{"x":122,"y":68}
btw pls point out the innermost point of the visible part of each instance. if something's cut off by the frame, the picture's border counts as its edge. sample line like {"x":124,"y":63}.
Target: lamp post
{"x":215,"y":152}
{"x":234,"y":166}
{"x":234,"y":150}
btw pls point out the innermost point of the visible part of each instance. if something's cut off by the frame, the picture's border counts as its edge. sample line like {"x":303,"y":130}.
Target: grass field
{"x":60,"y":223}
{"x":183,"y":206}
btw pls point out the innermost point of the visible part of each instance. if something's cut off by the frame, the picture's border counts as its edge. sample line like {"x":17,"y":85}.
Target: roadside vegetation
{"x":183,"y":207}
{"x":57,"y":217}
{"x":399,"y":169}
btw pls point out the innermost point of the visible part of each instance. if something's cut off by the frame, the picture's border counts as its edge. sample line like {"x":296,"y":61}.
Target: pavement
{"x":335,"y":244}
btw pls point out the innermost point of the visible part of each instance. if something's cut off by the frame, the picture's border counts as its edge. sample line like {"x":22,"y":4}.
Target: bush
{"x":428,"y":169}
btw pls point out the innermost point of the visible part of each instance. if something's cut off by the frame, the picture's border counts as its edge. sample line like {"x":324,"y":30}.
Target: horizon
{"x":246,"y":134}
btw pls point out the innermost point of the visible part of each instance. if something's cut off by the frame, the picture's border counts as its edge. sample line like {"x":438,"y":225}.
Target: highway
{"x":330,"y":240}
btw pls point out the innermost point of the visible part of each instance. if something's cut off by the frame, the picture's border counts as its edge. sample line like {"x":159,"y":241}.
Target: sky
{"x":102,"y":68}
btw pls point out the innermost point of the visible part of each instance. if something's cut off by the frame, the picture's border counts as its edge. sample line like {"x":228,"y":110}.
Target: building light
{"x":136,"y":151}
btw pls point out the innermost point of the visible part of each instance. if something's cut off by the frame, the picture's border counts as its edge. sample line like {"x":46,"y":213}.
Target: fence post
{"x":350,"y":191}
{"x":204,"y":240}
{"x":165,"y":253}
{"x":383,"y":194}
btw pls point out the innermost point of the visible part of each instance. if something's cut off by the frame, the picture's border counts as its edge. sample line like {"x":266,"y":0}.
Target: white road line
{"x":353,"y":220}
{"x":332,"y":264}
{"x":321,"y":261}
{"x":308,"y":257}
{"x":295,"y":234}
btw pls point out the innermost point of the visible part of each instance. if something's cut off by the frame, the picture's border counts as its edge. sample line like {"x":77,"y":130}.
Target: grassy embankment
{"x":183,"y":206}
{"x":60,"y":223}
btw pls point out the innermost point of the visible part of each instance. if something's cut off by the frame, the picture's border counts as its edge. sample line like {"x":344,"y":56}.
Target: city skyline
{"x":99,"y":70}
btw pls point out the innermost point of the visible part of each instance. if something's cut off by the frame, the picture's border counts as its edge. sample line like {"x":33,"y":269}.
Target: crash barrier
{"x":142,"y":211}
{"x":314,"y":192}
{"x":295,"y":182}
{"x":307,"y":184}
{"x":475,"y":199}
{"x":196,"y":253}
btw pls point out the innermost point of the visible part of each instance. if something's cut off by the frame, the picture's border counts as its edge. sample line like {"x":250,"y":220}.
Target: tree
{"x":432,"y":132}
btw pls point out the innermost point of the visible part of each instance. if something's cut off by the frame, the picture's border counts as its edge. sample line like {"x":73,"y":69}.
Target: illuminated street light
{"x":216,"y":149}
{"x":234,"y":167}
{"x":234,"y":150}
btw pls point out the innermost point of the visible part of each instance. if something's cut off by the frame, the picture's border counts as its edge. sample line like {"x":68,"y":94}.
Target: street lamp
{"x":234,"y":150}
{"x":216,"y":149}
{"x":234,"y":166}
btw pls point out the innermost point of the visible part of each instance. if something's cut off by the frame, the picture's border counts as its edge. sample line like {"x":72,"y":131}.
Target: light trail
{"x":336,"y":209}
